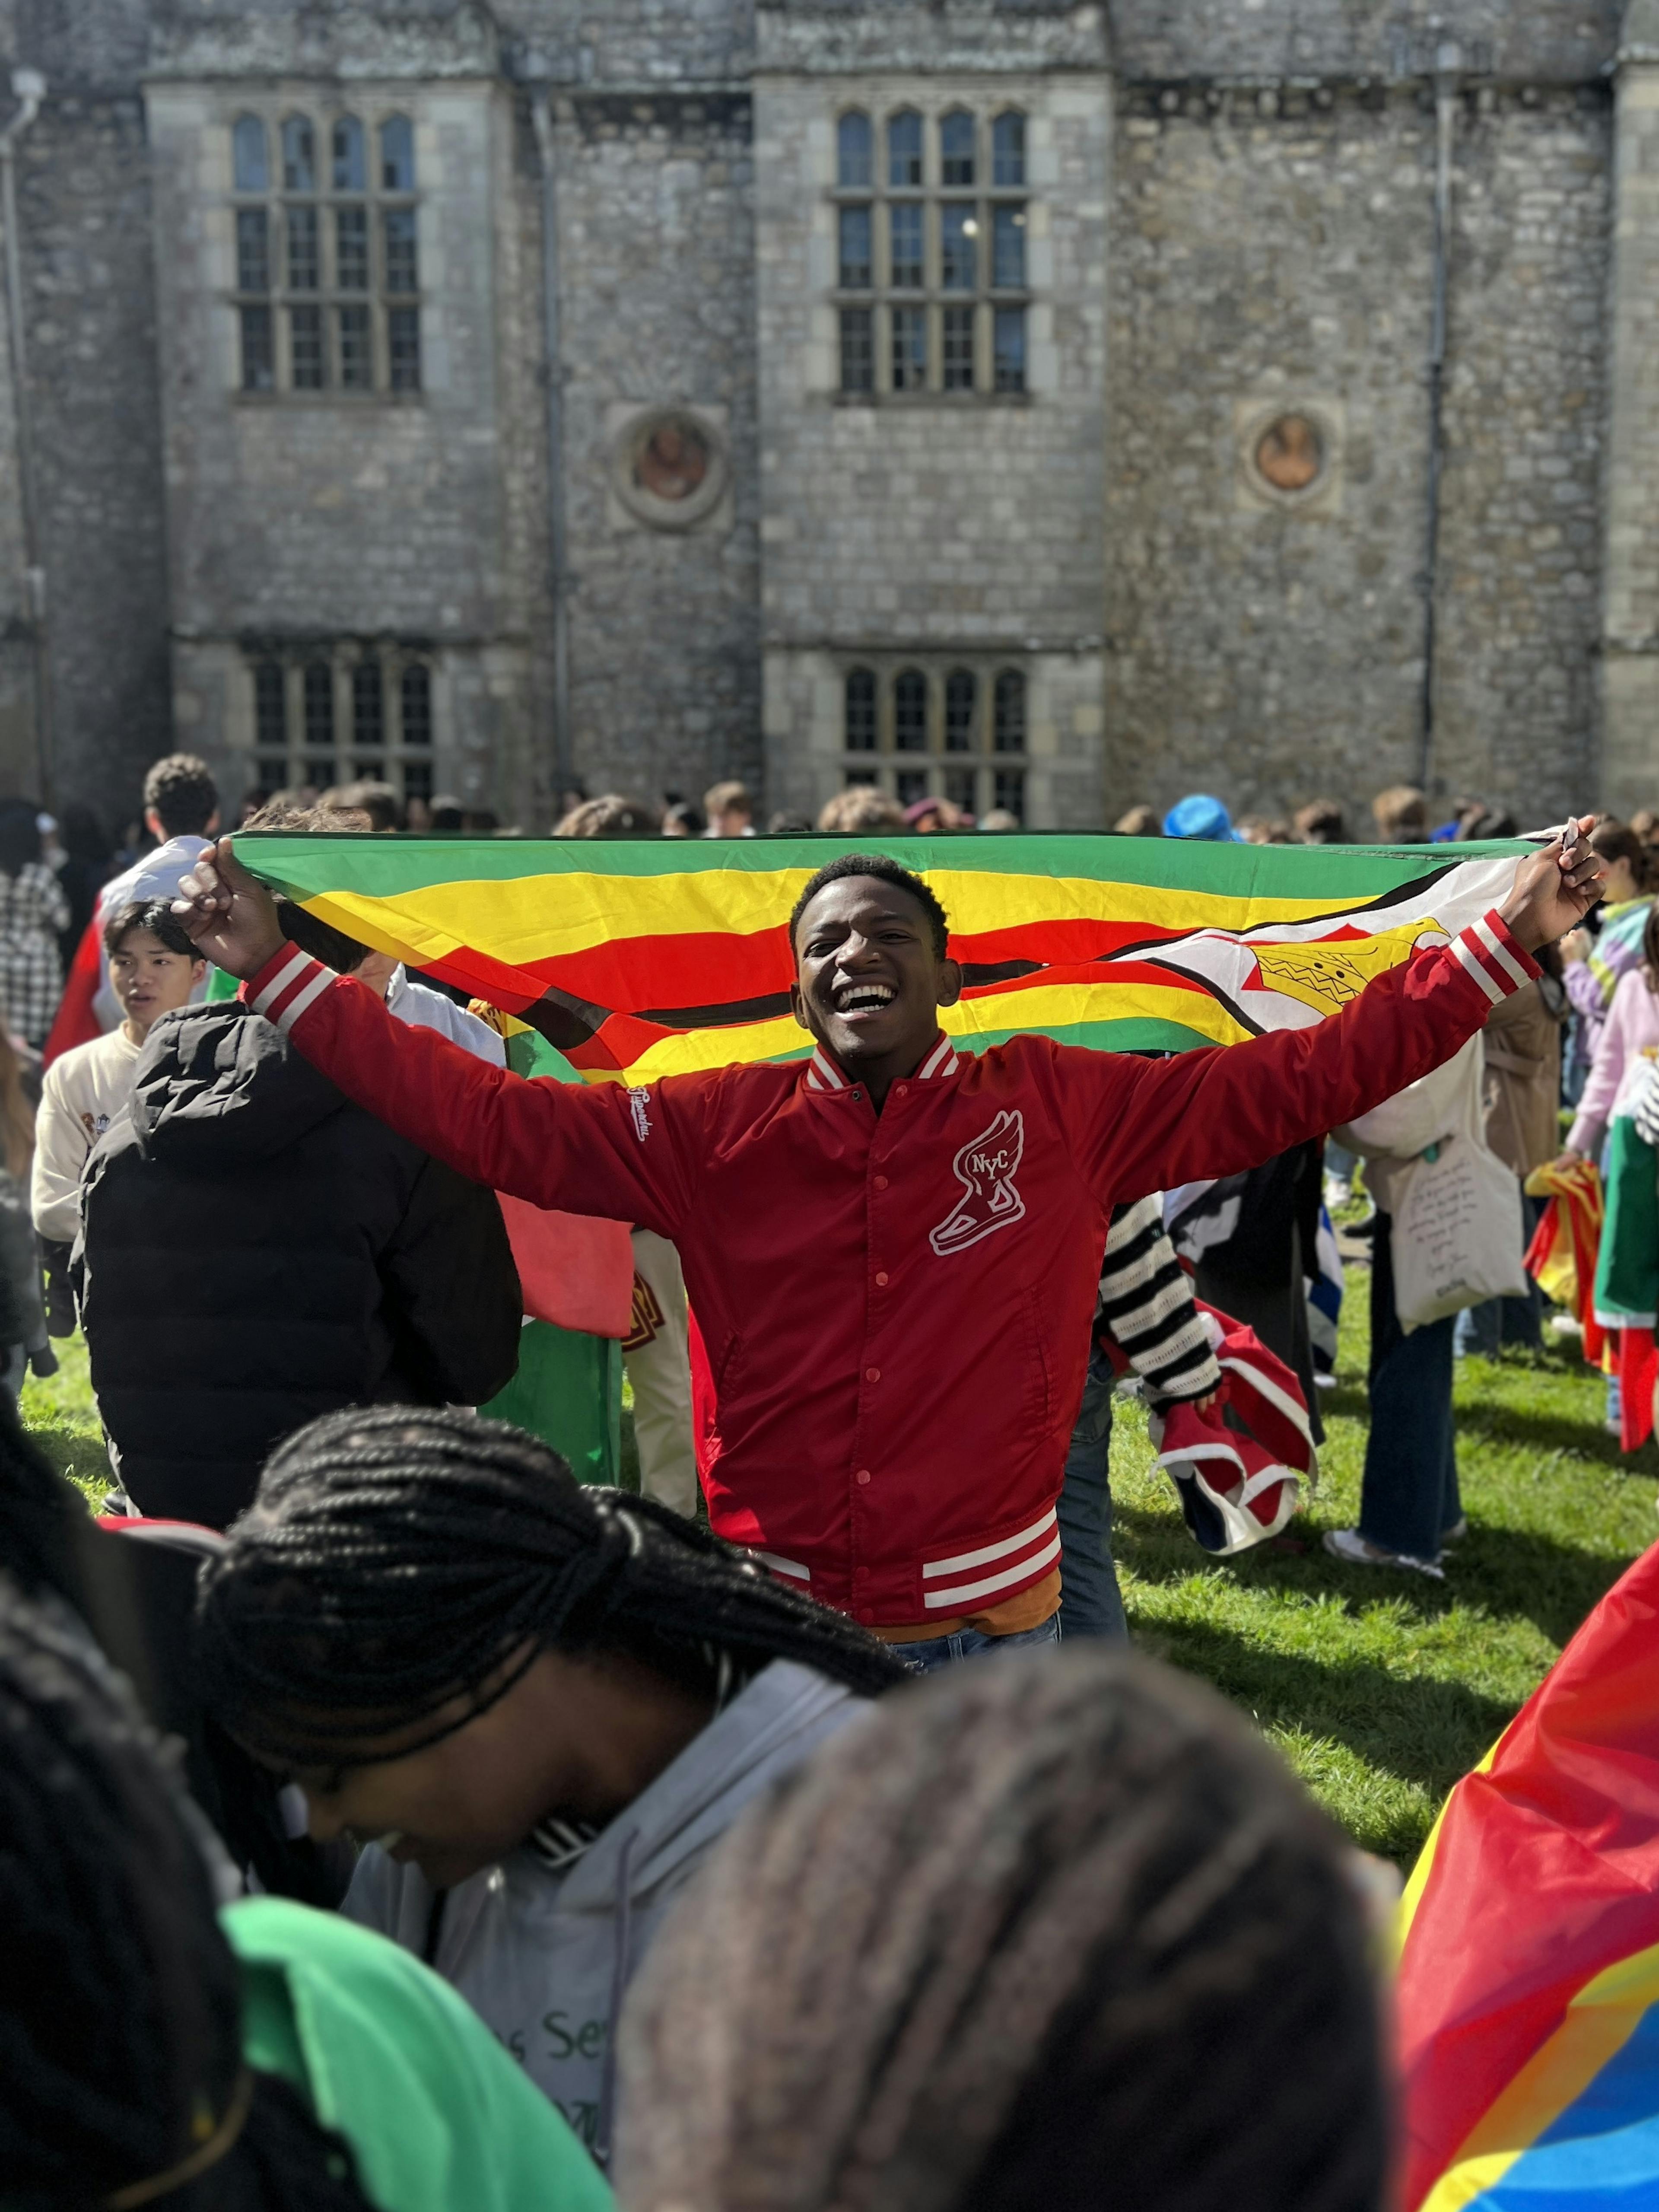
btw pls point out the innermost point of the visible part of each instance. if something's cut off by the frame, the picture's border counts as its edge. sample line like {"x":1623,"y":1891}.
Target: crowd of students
{"x":593,"y":1837}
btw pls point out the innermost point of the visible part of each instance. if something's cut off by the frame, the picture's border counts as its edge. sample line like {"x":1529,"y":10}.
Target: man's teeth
{"x":866,"y":994}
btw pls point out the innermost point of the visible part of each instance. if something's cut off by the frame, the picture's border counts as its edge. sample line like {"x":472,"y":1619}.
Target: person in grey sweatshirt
{"x":537,"y":1705}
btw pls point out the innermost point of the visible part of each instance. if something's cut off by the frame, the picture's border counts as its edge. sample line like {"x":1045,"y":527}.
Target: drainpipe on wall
{"x":30,"y":88}
{"x":541,"y":107}
{"x":1447,"y":84}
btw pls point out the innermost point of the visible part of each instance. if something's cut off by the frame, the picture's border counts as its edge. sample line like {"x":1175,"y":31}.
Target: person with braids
{"x":1129,"y":1972}
{"x":537,"y":1705}
{"x":155,"y":2049}
{"x":892,"y":1250}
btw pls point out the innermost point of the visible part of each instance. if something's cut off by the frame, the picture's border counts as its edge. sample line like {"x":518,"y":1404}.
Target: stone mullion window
{"x":326,"y":253}
{"x":339,"y":713}
{"x":930,"y":727}
{"x":931,"y":281}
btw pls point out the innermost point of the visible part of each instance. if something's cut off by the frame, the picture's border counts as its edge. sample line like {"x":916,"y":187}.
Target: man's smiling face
{"x":869,"y":982}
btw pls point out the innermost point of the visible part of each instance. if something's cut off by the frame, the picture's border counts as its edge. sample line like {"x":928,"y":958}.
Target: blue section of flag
{"x":1601,"y":2155}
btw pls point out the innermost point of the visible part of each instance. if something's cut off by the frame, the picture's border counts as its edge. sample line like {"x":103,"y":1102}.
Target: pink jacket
{"x":1629,"y":1042}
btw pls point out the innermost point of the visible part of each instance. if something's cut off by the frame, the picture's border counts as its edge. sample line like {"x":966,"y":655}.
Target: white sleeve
{"x":60,"y":1154}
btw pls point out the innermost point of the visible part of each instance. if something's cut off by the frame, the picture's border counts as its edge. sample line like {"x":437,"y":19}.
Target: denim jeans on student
{"x":1497,"y":1321}
{"x":1409,"y":1498}
{"x":946,"y":1650}
{"x":1090,"y":1604}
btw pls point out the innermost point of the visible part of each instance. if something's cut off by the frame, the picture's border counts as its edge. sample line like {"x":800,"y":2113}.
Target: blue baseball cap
{"x":1200,"y":816}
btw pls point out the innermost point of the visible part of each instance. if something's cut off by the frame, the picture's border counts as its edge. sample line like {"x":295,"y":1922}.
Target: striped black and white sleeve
{"x":1147,"y":1306}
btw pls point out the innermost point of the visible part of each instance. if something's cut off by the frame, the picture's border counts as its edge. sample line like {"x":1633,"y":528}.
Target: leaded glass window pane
{"x":416,"y":693}
{"x":298,"y":155}
{"x":259,"y":364}
{"x":253,"y":250}
{"x":859,"y":734}
{"x":909,"y":349}
{"x":904,"y":149}
{"x":304,"y":256}
{"x":957,"y":364}
{"x":1008,"y":248}
{"x":910,"y":711}
{"x":1008,"y":350}
{"x":905,"y":233}
{"x":855,"y":249}
{"x":318,"y":695}
{"x":247,"y":144}
{"x":858,"y":349}
{"x":404,"y":340}
{"x":853,"y":152}
{"x":1010,"y":712}
{"x":955,"y":148}
{"x":350,"y":168}
{"x":402,"y":268}
{"x":1009,"y":786}
{"x":351,"y":248}
{"x":398,"y":154}
{"x":1008,"y":150}
{"x":958,"y":240}
{"x":356,"y":351}
{"x":306,"y":337}
{"x":960,"y":693}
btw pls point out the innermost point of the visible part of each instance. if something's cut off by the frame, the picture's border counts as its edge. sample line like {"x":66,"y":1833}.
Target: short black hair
{"x":154,"y":916}
{"x":885,"y":871}
{"x":182,"y":791}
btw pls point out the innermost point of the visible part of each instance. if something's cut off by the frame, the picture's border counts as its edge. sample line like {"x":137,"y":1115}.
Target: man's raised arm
{"x":582,"y":1149}
{"x":1218,"y":1112}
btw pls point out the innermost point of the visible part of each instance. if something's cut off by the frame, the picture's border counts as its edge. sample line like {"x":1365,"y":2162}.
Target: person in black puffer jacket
{"x":256,"y":1250}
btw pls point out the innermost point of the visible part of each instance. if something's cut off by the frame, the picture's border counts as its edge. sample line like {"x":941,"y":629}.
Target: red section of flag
{"x":1544,"y":1873}
{"x":1639,"y":1369}
{"x":575,"y":1271}
{"x":75,"y":1021}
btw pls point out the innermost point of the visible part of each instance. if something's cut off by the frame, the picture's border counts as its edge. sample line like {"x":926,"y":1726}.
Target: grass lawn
{"x":1381,"y":1688}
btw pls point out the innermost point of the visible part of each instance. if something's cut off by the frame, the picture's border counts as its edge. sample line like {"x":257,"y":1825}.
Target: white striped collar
{"x":824,"y":1074}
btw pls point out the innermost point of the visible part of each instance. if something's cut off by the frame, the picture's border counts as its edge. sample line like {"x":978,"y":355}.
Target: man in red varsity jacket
{"x":892,"y":1250}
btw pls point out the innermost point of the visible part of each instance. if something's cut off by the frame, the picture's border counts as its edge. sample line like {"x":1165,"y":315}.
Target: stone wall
{"x":89,"y":283}
{"x":656,"y":278}
{"x":1271,"y":41}
{"x":1273,"y":251}
{"x":1516,"y":665}
{"x":926,"y":521}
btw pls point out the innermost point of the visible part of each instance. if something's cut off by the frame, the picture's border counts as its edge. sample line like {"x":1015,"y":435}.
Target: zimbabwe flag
{"x":638,"y":961}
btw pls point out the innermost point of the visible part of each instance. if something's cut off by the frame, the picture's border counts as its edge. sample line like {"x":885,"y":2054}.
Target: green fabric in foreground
{"x":438,"y":2116}
{"x":568,"y":1391}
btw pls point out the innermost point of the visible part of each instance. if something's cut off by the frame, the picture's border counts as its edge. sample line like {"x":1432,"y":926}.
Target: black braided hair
{"x":120,"y":2027}
{"x":399,"y":1559}
{"x":1055,"y":1933}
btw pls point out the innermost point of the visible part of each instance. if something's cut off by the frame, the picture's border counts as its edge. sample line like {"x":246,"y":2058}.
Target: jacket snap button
{"x":863,"y":1475}
{"x":872,"y":1374}
{"x":881,"y":1182}
{"x":881,"y":1282}
{"x":860,"y":1574}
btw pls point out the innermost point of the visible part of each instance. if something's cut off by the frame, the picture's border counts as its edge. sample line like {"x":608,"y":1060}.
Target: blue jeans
{"x":1484,"y":1327}
{"x":946,"y":1650}
{"x":1409,"y":1498}
{"x":1091,"y":1603}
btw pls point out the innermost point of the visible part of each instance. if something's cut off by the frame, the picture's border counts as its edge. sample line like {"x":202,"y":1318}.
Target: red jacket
{"x":897,"y":1308}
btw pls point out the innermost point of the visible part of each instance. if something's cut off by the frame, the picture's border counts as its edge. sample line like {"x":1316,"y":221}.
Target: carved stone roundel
{"x":669,"y":468}
{"x":1290,"y":454}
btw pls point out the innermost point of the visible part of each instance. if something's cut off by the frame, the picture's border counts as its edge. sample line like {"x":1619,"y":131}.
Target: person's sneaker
{"x":1356,"y":1551}
{"x":1459,"y":1530}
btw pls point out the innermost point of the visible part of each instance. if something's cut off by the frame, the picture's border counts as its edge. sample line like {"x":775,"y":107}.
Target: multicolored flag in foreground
{"x":638,"y":961}
{"x":1528,"y":1983}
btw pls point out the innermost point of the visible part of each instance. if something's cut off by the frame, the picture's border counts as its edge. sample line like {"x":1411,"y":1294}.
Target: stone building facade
{"x":1043,"y":402}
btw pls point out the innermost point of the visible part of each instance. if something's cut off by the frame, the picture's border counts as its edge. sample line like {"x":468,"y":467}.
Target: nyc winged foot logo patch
{"x":985,"y":1168}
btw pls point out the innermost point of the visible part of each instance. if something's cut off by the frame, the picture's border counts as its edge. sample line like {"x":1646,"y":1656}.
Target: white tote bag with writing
{"x":1458,"y":1234}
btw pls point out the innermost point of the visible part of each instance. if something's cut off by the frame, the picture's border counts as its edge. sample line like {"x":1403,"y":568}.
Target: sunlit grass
{"x":1381,"y":1688}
